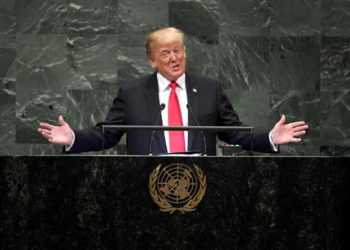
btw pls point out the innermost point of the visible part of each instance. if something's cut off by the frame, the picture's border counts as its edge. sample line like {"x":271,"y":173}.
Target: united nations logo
{"x":177,"y":187}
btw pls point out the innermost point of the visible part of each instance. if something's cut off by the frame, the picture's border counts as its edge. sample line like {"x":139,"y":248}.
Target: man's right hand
{"x":62,"y":135}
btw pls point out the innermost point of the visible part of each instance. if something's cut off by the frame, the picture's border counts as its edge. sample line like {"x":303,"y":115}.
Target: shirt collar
{"x":163,"y":83}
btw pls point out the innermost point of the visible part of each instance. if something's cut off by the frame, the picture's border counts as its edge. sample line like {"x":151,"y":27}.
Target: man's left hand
{"x":284,"y":133}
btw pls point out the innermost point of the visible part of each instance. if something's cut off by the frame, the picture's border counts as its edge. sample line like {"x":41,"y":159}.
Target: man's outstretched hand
{"x":284,"y":133}
{"x":62,"y":135}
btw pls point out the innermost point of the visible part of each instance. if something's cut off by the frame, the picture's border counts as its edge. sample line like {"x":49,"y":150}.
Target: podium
{"x":105,"y":202}
{"x":202,"y":129}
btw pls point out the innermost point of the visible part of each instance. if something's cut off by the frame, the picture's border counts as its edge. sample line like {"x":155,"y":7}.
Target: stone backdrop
{"x":272,"y":57}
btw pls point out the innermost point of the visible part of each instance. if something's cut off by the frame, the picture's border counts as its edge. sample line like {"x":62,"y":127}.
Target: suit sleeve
{"x":93,"y":139}
{"x":227,"y":116}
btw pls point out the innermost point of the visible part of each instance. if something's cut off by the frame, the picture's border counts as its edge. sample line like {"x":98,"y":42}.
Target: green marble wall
{"x":276,"y":56}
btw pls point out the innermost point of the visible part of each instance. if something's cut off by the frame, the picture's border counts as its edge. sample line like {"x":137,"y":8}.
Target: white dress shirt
{"x":164,"y":93}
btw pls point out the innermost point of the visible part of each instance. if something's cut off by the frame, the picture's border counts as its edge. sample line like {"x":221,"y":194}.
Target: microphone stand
{"x":162,"y":106}
{"x":203,"y":136}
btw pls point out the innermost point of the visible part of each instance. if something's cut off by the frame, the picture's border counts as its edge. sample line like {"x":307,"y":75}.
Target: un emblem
{"x":177,"y":187}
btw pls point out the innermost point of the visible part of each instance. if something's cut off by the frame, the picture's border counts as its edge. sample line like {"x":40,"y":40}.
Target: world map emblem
{"x":177,"y":187}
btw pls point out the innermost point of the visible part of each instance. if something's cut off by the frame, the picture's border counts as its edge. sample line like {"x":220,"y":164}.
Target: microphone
{"x":161,"y":108}
{"x":203,"y":136}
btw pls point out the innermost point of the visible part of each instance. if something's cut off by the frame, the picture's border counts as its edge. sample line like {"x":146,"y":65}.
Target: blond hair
{"x":164,"y":35}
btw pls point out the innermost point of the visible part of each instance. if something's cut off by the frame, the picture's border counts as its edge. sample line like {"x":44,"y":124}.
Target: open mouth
{"x":175,"y":67}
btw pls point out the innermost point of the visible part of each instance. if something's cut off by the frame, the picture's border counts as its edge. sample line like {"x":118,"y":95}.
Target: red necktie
{"x":176,"y":138}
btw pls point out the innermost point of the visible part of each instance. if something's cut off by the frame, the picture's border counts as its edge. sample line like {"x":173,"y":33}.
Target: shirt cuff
{"x":273,"y":146}
{"x":68,"y":148}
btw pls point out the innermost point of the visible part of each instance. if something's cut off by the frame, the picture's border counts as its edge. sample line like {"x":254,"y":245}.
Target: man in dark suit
{"x":177,"y":97}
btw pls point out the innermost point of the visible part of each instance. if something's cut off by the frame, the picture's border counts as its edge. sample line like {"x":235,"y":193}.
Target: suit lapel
{"x":152,"y":100}
{"x":193,"y":102}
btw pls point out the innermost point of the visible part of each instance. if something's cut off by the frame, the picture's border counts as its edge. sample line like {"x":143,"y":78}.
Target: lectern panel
{"x":123,"y":202}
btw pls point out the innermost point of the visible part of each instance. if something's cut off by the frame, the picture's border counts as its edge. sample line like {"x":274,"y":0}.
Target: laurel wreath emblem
{"x":189,"y":206}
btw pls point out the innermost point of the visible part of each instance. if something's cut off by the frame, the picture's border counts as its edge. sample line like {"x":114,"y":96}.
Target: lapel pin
{"x":194,"y":90}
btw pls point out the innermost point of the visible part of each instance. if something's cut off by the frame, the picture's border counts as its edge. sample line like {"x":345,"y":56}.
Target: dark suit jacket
{"x":137,"y":103}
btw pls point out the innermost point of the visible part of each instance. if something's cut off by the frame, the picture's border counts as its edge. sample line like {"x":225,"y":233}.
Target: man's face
{"x":169,"y":59}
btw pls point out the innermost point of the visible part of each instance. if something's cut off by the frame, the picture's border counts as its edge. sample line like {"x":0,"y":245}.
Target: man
{"x":177,"y":96}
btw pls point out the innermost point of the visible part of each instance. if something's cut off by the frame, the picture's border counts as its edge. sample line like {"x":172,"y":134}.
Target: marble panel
{"x":305,"y":182}
{"x":104,"y":202}
{"x":80,"y":202}
{"x":7,"y":57}
{"x":336,"y":18}
{"x":34,"y":107}
{"x":202,"y":58}
{"x":48,"y":48}
{"x":7,"y":17}
{"x":295,"y":63}
{"x":335,"y":63}
{"x":86,"y":108}
{"x":42,"y":148}
{"x":299,"y":106}
{"x":92,"y":17}
{"x":7,"y":117}
{"x":335,"y":118}
{"x":195,"y":19}
{"x":13,"y":203}
{"x":245,"y":17}
{"x":7,"y":101}
{"x":42,"y":64}
{"x":338,"y":205}
{"x":244,"y":62}
{"x":80,"y":109}
{"x":41,"y":16}
{"x":139,"y":18}
{"x":335,"y":151}
{"x":250,"y":203}
{"x":7,"y":40}
{"x":135,"y":24}
{"x":132,"y":64}
{"x":295,"y":18}
{"x":43,"y":74}
{"x":253,"y":107}
{"x":94,"y":59}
